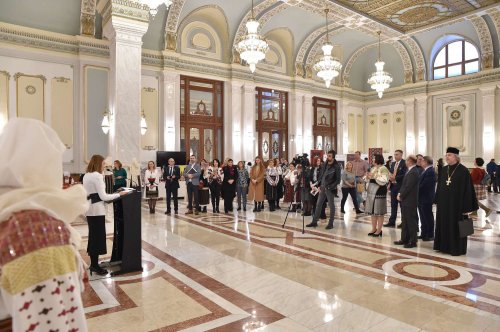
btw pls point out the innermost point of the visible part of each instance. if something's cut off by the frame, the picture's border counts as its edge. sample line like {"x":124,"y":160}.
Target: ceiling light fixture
{"x":106,"y":121}
{"x":327,"y":66}
{"x":252,"y":48}
{"x":154,"y":4}
{"x":380,"y":80}
{"x":144,"y":125}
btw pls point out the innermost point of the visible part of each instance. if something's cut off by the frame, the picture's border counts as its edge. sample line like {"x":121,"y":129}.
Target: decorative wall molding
{"x":62,"y":79}
{"x":18,"y":75}
{"x":6,"y":73}
{"x":485,"y":41}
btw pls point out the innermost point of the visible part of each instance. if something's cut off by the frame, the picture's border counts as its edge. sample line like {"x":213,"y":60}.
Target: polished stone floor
{"x":244,"y":272}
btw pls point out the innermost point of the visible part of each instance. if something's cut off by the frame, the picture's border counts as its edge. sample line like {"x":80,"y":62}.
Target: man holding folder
{"x":171,"y":175}
{"x":192,"y":176}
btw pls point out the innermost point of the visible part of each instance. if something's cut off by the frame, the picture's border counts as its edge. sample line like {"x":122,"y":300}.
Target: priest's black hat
{"x":452,"y":150}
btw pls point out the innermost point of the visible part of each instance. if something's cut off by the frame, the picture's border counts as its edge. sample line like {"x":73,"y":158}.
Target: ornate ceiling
{"x":408,"y":15}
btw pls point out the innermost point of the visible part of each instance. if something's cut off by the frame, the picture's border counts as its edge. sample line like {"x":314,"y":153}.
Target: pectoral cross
{"x":448,"y":182}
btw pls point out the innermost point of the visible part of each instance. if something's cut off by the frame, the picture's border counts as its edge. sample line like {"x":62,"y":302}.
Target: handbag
{"x":360,"y":187}
{"x":465,"y":227}
{"x":201,"y":184}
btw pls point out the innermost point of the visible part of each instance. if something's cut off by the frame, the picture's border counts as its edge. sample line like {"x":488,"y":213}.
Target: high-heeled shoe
{"x":98,"y":270}
{"x":377,"y":235}
{"x":371,"y":233}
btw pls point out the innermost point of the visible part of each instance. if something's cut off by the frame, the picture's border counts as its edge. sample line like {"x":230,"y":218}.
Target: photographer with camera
{"x":330,"y":179}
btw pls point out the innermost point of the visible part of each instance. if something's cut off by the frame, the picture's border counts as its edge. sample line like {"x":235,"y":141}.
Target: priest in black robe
{"x":455,"y":199}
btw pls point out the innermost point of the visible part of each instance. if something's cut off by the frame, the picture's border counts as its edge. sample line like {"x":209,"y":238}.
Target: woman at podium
{"x":93,"y":182}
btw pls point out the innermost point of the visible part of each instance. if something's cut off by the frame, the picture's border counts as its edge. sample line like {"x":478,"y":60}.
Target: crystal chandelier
{"x":154,"y":4}
{"x":327,"y":66}
{"x":252,"y":48}
{"x":144,"y":125}
{"x":380,"y":80}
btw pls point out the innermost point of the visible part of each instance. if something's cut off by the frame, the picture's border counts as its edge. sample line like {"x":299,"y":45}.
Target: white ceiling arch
{"x":401,"y":50}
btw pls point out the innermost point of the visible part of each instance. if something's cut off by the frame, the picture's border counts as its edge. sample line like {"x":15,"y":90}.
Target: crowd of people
{"x":412,"y":185}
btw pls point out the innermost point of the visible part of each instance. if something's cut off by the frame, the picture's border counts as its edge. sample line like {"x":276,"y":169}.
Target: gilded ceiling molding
{"x":173,"y":15}
{"x":129,"y":9}
{"x":87,"y":18}
{"x":485,"y":41}
{"x":418,"y":57}
{"x":495,"y":17}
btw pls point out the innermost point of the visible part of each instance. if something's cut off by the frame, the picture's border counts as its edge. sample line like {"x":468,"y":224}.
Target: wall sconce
{"x":341,"y":122}
{"x":144,"y":125}
{"x":106,"y":121}
{"x":292,"y":138}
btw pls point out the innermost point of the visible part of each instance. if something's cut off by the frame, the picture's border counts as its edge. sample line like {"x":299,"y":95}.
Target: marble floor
{"x":245,"y":272}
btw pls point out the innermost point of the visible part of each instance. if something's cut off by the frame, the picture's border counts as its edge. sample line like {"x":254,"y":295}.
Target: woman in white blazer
{"x":93,"y":182}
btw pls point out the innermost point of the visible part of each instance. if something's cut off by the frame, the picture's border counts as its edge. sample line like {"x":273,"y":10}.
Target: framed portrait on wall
{"x":316,"y":153}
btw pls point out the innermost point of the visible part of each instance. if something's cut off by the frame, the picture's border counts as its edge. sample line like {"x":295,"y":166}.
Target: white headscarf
{"x":31,"y":174}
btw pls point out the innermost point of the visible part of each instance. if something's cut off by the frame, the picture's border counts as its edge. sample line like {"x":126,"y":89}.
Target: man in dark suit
{"x":171,"y":175}
{"x":396,"y":174}
{"x":426,"y":193}
{"x":328,"y":182}
{"x":408,"y":197}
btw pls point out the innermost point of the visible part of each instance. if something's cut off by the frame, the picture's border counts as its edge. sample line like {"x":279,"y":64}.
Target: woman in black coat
{"x":229,"y":185}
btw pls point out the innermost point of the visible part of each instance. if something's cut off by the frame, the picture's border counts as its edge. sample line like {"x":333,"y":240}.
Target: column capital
{"x":237,"y":84}
{"x":421,"y":98}
{"x":488,"y":90}
{"x":409,"y":101}
{"x":128,"y":9}
{"x":249,"y":88}
{"x":124,"y":21}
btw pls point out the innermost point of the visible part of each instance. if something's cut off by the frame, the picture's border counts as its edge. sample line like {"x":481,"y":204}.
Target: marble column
{"x":295,"y":123}
{"x":124,"y":24}
{"x":421,"y":125}
{"x":342,"y":128}
{"x":236,"y":129}
{"x":488,"y":123}
{"x":411,"y":136}
{"x":171,"y":82}
{"x":248,"y":124}
{"x":307,"y":124}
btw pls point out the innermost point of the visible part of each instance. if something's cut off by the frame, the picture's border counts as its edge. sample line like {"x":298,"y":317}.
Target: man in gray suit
{"x":408,"y":197}
{"x":192,"y":176}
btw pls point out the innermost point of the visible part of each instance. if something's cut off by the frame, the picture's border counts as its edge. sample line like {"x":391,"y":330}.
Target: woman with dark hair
{"x":242,"y":186}
{"x":477,"y":175}
{"x":152,"y":179}
{"x":229,"y":185}
{"x":314,"y":178}
{"x":120,"y":175}
{"x":290,"y":186}
{"x":376,"y":199}
{"x":203,"y":190}
{"x":215,"y":175}
{"x":93,"y":182}
{"x":272,"y":177}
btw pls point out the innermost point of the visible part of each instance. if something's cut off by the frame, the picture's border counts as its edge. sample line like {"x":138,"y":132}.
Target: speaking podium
{"x":127,"y":246}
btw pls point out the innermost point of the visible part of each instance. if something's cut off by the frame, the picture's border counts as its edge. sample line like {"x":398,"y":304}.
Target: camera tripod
{"x":290,"y":207}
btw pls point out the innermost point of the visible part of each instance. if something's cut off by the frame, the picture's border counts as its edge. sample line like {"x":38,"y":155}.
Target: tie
{"x":396,"y":168}
{"x":171,"y":170}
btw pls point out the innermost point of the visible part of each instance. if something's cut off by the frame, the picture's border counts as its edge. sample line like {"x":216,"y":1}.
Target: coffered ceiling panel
{"x":407,"y":15}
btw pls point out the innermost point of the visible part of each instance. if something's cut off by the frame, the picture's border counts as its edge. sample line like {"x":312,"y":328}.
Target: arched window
{"x":455,"y":59}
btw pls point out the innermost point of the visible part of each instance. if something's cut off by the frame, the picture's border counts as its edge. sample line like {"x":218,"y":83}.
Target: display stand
{"x":127,"y":245}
